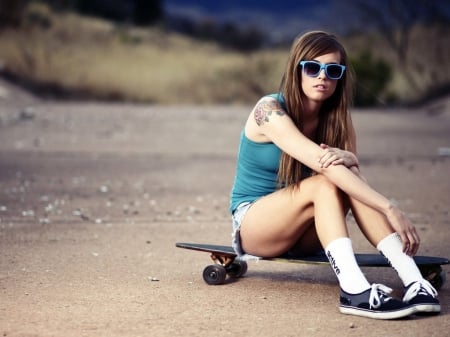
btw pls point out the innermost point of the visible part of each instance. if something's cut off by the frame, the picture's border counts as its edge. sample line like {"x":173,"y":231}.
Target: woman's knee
{"x":325,"y":189}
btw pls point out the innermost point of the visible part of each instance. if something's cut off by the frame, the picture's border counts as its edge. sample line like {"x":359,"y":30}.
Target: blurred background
{"x":218,"y":52}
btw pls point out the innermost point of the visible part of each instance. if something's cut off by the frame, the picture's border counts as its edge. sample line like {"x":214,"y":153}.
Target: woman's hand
{"x":405,"y":229}
{"x":336,"y":156}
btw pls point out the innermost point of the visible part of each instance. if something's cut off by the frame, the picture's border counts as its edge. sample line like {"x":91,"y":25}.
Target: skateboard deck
{"x":227,"y":263}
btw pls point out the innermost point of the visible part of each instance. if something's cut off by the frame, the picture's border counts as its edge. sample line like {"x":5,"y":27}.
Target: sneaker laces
{"x":422,"y":287}
{"x":379,"y":295}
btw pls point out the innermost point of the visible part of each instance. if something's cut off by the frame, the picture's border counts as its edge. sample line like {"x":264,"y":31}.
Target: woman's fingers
{"x":413,"y":242}
{"x":406,"y":230}
{"x":330,"y":157}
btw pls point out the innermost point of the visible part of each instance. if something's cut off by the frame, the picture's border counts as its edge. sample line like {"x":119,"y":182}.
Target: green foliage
{"x":372,"y":77}
{"x":138,"y":12}
{"x":147,"y":12}
{"x":227,"y":34}
{"x":11,"y":12}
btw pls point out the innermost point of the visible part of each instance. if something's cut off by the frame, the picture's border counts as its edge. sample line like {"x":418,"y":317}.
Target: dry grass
{"x":95,"y":57}
{"x":99,"y":59}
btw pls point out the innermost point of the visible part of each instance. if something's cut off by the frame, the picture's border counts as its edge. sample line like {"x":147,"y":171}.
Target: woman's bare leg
{"x":380,"y":234}
{"x":372,"y":223}
{"x":275,"y":223}
{"x":310,"y":215}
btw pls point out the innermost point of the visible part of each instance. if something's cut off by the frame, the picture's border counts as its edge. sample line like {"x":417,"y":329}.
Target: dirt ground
{"x":93,"y":198}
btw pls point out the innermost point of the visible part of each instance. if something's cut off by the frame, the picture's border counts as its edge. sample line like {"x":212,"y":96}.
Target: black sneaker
{"x":374,"y":303}
{"x":422,"y":297}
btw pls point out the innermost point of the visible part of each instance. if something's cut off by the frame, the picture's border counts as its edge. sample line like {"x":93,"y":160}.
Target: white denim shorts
{"x":237,"y":217}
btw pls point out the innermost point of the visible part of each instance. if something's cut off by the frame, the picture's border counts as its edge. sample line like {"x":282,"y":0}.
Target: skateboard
{"x":227,"y":263}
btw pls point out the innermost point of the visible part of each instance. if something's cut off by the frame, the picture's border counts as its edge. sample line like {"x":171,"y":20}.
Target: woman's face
{"x":320,"y":88}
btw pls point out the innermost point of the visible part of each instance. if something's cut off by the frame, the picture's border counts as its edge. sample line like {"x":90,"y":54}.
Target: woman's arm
{"x":277,"y":127}
{"x":269,"y":122}
{"x":285,"y":135}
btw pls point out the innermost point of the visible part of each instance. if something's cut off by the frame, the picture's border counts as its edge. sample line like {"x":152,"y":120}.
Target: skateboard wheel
{"x":214,"y":274}
{"x":434,"y":274}
{"x":237,"y":269}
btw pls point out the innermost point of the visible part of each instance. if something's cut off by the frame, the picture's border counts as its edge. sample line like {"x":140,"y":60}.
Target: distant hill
{"x":280,"y":20}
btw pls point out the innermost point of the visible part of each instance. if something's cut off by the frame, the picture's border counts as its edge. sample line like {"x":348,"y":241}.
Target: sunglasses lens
{"x":311,"y":68}
{"x":334,"y":71}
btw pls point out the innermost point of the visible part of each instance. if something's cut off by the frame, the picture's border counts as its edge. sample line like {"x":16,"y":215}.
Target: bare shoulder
{"x":266,"y":108}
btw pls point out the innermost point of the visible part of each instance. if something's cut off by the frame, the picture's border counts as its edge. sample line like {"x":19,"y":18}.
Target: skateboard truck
{"x":223,"y":260}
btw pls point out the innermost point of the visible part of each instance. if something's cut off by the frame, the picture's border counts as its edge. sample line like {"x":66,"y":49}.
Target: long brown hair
{"x":335,"y":125}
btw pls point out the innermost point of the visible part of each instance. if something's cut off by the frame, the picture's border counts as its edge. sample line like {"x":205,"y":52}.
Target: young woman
{"x":298,"y":176}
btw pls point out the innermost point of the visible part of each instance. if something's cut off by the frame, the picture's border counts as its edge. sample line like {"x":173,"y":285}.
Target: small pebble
{"x":27,"y":113}
{"x":104,"y":189}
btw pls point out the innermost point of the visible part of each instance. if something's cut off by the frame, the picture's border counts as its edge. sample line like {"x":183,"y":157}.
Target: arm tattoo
{"x":264,"y":110}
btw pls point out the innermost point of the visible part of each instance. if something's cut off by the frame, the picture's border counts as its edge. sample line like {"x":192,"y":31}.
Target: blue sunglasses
{"x":313,"y":68}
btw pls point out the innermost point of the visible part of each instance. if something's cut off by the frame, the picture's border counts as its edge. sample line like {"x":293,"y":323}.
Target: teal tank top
{"x":256,"y":171}
{"x":257,"y":168}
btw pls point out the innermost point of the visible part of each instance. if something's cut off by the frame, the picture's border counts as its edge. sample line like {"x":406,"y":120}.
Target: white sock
{"x":392,"y":248}
{"x":342,"y":259}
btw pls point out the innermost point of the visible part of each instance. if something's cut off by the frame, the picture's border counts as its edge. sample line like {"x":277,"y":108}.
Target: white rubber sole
{"x":395,"y":314}
{"x":427,"y":308}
